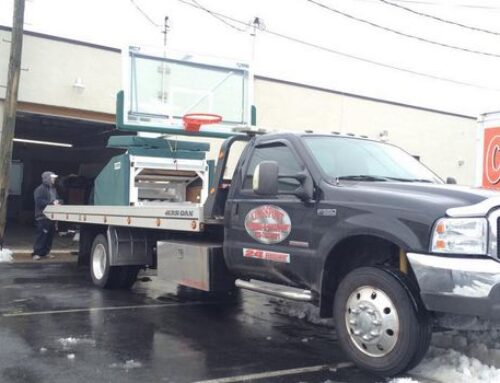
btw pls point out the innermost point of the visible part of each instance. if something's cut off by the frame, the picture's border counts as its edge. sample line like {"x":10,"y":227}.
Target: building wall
{"x":444,"y":142}
{"x":51,"y":67}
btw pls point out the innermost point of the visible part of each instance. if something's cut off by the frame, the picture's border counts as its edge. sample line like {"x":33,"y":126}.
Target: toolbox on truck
{"x":196,"y":265}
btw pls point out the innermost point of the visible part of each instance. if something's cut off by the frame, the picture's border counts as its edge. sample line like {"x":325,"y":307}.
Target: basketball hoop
{"x":193,"y":121}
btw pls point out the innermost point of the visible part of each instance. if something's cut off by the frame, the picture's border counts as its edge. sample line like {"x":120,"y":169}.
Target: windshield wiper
{"x":422,"y":180}
{"x":363,"y":177}
{"x":410,"y":179}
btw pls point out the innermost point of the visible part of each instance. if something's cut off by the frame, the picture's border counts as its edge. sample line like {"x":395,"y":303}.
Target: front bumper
{"x":465,"y":286}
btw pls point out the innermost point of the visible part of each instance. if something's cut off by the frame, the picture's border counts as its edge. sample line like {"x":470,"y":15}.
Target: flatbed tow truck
{"x":357,"y":227}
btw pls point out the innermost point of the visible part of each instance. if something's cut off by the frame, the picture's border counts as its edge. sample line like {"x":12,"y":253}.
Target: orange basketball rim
{"x":193,"y":121}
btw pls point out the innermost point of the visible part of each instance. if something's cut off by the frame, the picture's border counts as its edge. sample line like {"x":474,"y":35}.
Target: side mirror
{"x":265,"y":179}
{"x":451,"y":180}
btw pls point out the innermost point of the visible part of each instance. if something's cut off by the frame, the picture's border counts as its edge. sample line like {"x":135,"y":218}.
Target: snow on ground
{"x":462,"y":357}
{"x":304,"y":311}
{"x":455,"y":356}
{"x":70,"y":342}
{"x":6,"y":256}
{"x":128,"y":365}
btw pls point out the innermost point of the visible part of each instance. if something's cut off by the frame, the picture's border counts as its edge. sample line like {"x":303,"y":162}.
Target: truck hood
{"x":428,"y":199}
{"x":449,"y":196}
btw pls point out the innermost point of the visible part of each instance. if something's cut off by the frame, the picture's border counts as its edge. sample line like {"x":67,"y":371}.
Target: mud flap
{"x":128,"y":246}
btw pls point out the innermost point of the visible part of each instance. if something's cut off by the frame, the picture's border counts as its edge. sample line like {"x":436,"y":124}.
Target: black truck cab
{"x":378,"y":239}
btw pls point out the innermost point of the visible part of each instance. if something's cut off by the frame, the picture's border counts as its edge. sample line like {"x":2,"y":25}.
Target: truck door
{"x":269,"y":238}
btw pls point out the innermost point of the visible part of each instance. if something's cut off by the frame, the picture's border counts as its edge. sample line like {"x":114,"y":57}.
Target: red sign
{"x":268,"y":224}
{"x":491,"y":158}
{"x":267,"y":255}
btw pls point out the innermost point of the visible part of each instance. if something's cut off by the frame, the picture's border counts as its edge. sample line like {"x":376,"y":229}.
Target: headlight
{"x":460,"y":236}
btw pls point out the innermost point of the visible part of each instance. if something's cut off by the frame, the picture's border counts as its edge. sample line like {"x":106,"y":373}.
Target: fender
{"x":387,"y":228}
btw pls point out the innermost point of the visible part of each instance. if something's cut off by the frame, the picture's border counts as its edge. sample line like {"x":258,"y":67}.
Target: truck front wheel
{"x":377,"y":322}
{"x":103,"y":274}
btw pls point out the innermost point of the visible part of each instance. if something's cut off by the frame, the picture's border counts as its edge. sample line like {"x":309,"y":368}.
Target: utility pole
{"x":166,"y":28}
{"x":257,"y":25}
{"x":10,"y":106}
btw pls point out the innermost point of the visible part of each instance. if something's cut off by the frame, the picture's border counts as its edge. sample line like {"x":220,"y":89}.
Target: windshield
{"x":363,"y":160}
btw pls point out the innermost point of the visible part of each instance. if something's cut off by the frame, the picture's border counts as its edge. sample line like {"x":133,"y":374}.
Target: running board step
{"x":276,"y":290}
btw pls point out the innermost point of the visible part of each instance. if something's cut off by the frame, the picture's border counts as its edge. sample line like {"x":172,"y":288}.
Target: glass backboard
{"x":159,"y":89}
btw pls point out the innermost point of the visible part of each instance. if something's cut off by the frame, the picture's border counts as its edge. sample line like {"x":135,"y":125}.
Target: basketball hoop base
{"x":194,"y":121}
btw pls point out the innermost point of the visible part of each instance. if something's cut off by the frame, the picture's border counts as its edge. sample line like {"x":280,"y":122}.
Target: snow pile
{"x":70,"y":342}
{"x":453,"y":366}
{"x":460,"y":357}
{"x":128,"y":365}
{"x":303,"y":311}
{"x":6,"y":256}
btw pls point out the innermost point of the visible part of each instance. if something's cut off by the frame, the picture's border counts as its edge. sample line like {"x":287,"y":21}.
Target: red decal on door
{"x":268,"y":224}
{"x":267,"y":255}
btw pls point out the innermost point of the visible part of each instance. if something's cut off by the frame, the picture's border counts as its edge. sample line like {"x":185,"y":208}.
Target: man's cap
{"x":49,"y":174}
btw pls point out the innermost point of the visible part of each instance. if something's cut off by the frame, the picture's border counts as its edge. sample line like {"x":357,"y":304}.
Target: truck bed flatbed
{"x":171,"y":216}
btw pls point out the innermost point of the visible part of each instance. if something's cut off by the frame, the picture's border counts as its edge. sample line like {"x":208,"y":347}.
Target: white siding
{"x":50,"y":68}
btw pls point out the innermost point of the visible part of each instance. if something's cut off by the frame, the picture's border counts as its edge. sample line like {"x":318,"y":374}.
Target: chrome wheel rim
{"x":99,"y":261}
{"x":372,"y":321}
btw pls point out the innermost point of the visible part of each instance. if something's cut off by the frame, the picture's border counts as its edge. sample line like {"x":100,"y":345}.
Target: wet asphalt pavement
{"x":55,"y":326}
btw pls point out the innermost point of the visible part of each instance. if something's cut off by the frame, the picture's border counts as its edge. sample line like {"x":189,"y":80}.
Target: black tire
{"x":111,"y":277}
{"x":411,"y":337}
{"x":424,"y":318}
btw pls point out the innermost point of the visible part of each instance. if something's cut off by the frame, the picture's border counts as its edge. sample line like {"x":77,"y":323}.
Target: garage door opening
{"x":74,"y":149}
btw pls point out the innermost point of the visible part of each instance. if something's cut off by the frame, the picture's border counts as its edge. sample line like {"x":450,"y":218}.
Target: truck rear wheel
{"x":106,"y":276}
{"x":377,"y":322}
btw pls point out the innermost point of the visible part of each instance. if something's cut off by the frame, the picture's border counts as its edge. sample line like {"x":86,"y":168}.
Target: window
{"x":347,"y":157}
{"x":287,"y":162}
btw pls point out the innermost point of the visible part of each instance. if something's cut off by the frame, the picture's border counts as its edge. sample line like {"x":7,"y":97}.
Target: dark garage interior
{"x":74,"y":149}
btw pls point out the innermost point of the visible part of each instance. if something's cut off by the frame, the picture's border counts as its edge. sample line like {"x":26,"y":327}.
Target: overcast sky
{"x":119,"y":23}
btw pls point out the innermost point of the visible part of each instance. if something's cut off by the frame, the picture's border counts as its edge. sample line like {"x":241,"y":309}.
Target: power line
{"x":343,"y":54}
{"x":422,"y":39}
{"x":377,"y":63}
{"x":439,"y":4}
{"x":145,"y":14}
{"x":477,"y":29}
{"x":477,"y":6}
{"x":216,"y":16}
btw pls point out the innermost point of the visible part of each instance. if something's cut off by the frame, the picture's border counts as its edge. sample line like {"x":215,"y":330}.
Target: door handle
{"x":235,"y":209}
